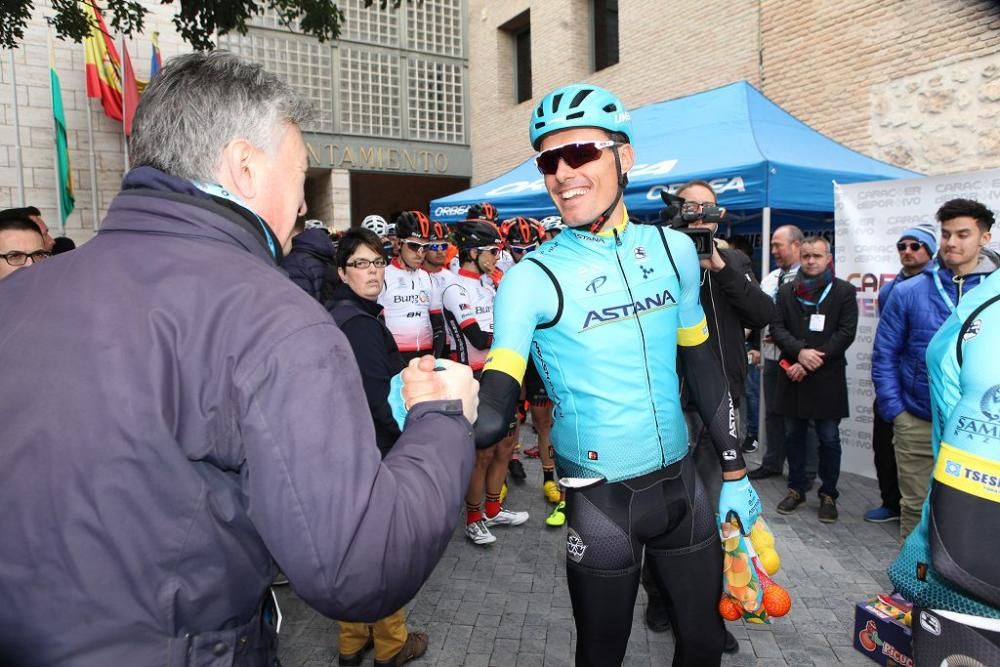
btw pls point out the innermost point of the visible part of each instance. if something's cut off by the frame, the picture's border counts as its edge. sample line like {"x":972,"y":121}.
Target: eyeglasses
{"x":493,"y":250}
{"x":363,"y":264}
{"x":913,"y":246}
{"x":437,"y":247}
{"x":416,"y":246}
{"x":15,"y":258}
{"x":575,"y":155}
{"x":521,"y":249}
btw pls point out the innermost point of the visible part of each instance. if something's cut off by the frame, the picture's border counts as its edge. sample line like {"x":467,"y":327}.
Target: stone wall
{"x":880,"y":76}
{"x":31,"y":69}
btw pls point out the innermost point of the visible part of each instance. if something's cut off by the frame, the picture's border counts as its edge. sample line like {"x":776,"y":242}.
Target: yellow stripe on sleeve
{"x":506,"y":361}
{"x":968,"y":472}
{"x":691,"y":336}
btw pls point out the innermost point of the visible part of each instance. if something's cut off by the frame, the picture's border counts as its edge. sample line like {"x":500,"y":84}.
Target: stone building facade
{"x":391,"y":131}
{"x":912,"y":82}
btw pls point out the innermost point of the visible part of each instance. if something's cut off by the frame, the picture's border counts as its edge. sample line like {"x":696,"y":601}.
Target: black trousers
{"x":884,"y":453}
{"x":667,"y":515}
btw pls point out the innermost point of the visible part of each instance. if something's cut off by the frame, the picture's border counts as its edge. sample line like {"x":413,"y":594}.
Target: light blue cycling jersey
{"x":602,"y":316}
{"x":948,"y":561}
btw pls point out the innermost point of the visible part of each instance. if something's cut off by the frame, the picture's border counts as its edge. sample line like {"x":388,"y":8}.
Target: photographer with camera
{"x":733,"y":302}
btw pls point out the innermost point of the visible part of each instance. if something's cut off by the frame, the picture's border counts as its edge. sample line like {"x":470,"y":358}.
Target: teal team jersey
{"x":948,"y":562}
{"x":602,"y":316}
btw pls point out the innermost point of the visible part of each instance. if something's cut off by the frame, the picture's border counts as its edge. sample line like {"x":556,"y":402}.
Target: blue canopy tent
{"x":757,"y":157}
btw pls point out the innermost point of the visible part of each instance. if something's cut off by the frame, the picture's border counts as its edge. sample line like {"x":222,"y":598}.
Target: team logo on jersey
{"x":990,"y":403}
{"x":953,"y":469}
{"x":974,"y":330}
{"x":596,"y":284}
{"x":575,"y":548}
{"x":640,"y":253}
{"x":646,"y":272}
{"x":628,"y":310}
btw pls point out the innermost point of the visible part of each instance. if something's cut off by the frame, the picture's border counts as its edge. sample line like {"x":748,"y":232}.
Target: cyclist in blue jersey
{"x":947,"y":565}
{"x":614,"y":305}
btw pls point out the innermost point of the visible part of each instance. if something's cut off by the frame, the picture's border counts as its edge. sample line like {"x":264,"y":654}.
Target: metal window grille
{"x":370,"y":96}
{"x":435,"y":26}
{"x":436,"y":95}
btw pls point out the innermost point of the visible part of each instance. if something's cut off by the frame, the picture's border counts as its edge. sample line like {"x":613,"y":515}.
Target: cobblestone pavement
{"x":507,"y":604}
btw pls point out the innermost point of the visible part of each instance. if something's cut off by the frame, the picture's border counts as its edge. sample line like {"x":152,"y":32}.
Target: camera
{"x":679,"y":219}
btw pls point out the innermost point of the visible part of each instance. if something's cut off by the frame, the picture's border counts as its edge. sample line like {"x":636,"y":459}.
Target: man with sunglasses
{"x":613,"y":306}
{"x":468,"y":312}
{"x":916,"y":247}
{"x":21,"y":244}
{"x":913,"y":313}
{"x":411,"y":312}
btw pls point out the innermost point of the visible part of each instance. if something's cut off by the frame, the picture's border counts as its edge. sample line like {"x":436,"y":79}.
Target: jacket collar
{"x":343,"y":292}
{"x":152,"y":201}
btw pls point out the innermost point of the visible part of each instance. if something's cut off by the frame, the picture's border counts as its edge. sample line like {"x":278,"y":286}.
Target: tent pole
{"x":765,"y":268}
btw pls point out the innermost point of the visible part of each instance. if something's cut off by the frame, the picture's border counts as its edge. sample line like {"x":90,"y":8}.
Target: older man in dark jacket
{"x":816,"y":322}
{"x":212,"y":419}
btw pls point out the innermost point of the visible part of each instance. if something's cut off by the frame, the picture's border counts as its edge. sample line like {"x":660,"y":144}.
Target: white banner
{"x":869,"y":220}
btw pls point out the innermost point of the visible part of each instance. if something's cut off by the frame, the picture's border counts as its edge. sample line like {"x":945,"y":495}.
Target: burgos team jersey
{"x":439,"y":280}
{"x":469,"y":297}
{"x":601,"y":316}
{"x":408,"y":302}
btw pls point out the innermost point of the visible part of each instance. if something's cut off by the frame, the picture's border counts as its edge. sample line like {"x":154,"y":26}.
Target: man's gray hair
{"x":795,"y":234}
{"x":202,"y":101}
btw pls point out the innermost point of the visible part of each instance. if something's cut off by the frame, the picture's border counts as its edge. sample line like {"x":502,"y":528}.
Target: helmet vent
{"x":610,"y":108}
{"x":540,"y":125}
{"x":556,"y":99}
{"x":539,"y":111}
{"x":580,"y":97}
{"x":575,"y":114}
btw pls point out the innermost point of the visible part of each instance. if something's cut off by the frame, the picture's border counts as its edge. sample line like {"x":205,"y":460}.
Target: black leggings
{"x":667,"y":513}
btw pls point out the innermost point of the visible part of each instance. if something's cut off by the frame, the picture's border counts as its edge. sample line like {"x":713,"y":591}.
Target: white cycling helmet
{"x":377,"y":224}
{"x":552,"y":223}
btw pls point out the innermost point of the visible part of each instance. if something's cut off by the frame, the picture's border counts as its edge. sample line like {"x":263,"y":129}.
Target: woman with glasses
{"x":361,"y":269}
{"x":21,"y":245}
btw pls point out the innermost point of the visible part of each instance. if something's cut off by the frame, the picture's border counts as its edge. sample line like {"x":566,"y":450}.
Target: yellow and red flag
{"x":102,"y":64}
{"x":130,"y":97}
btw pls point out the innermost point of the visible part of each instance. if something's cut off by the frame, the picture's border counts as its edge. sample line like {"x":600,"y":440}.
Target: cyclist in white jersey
{"x":434,"y":260}
{"x":468,"y":312}
{"x":411,"y":314}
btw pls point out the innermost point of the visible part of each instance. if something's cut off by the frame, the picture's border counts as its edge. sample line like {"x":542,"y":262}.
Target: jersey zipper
{"x":642,"y":342}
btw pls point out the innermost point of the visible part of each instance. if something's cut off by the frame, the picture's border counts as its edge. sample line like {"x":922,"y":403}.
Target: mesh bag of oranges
{"x":748,"y":592}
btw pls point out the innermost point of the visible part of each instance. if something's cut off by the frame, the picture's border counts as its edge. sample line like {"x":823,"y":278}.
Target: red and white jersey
{"x":439,"y":280}
{"x":469,"y":297}
{"x":408,"y":301}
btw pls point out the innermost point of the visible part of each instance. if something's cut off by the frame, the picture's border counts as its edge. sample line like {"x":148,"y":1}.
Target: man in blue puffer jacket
{"x":310,"y":258}
{"x":911,"y":317}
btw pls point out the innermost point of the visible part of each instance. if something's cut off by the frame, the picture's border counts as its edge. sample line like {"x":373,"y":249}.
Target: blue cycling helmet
{"x":579,"y":105}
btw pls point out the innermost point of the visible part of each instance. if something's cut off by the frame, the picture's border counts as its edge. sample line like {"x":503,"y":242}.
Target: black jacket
{"x":308,"y":260}
{"x":733,"y":301}
{"x":376,"y":353}
{"x":823,"y":393}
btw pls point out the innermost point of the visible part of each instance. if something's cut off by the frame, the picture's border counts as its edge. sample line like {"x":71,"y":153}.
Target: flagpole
{"x":19,"y":161}
{"x":121,"y":77}
{"x":55,"y":140}
{"x":93,"y":165}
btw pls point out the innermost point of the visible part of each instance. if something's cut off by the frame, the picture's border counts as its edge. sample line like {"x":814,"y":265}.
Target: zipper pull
{"x":618,"y":240}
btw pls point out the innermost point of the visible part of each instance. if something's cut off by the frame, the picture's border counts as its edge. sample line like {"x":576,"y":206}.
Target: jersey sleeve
{"x":692,"y":327}
{"x":526,"y":298}
{"x":435,"y":290}
{"x":458,"y":302}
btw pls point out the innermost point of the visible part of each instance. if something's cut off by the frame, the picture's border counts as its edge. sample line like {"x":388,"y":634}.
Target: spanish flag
{"x":102,"y":63}
{"x":156,"y":62}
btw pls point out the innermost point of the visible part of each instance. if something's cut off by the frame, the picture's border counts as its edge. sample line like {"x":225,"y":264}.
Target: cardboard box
{"x":881,"y":634}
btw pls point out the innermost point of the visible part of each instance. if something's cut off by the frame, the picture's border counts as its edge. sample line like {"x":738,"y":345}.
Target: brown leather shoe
{"x":415,"y":646}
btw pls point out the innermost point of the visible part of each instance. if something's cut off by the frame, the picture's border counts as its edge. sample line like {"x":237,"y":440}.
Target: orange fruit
{"x":777,"y":601}
{"x":729,"y":608}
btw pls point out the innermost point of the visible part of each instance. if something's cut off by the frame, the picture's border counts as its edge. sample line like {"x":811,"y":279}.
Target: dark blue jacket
{"x":906,"y":325}
{"x":176,"y":413}
{"x":308,"y":260}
